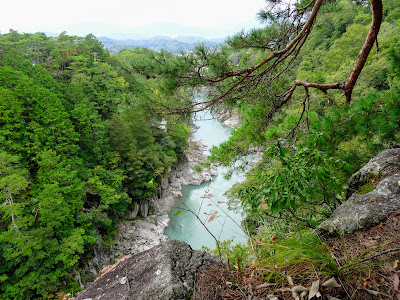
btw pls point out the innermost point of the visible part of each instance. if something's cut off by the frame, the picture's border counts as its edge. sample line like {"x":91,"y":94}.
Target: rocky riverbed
{"x":143,"y":227}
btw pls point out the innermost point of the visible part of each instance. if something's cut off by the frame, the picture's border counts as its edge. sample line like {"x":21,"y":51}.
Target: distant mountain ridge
{"x":162,"y":29}
{"x":169,"y":36}
{"x":157,"y":43}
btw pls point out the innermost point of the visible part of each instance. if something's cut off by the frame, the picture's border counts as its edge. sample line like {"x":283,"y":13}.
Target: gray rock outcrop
{"x":376,"y":196}
{"x":144,"y":207}
{"x":164,"y":272}
{"x":382,"y":165}
{"x":134,"y":236}
{"x":184,"y":174}
{"x":132,"y":214}
{"x":228,"y":117}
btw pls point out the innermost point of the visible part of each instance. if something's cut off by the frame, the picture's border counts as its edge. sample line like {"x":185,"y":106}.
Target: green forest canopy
{"x":80,"y":144}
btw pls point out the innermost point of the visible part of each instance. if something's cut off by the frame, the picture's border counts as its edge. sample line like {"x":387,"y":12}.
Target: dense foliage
{"x":312,"y":145}
{"x":79,"y":145}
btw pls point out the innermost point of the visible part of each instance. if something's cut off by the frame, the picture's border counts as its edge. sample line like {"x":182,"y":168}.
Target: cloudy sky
{"x":82,"y":16}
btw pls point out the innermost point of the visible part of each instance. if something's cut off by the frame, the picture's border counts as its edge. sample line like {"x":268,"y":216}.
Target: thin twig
{"x":204,"y":225}
{"x":379,"y":254}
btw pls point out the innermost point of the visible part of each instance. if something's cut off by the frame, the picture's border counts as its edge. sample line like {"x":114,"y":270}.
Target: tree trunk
{"x":376,"y":7}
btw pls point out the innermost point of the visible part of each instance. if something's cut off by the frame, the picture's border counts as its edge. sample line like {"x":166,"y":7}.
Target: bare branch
{"x":187,"y":208}
{"x":250,"y":78}
{"x":376,"y":7}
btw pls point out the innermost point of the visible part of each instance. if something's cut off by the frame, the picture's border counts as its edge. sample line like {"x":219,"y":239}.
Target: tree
{"x":303,"y":178}
{"x":288,"y":29}
{"x":79,"y":141}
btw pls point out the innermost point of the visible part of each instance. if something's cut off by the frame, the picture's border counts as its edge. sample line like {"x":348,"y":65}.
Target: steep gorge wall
{"x":135,"y":234}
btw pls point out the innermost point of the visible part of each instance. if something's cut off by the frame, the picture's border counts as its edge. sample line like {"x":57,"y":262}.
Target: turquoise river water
{"x":186,"y":227}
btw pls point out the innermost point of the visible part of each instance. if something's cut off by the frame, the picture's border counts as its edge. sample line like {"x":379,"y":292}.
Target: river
{"x":207,"y":200}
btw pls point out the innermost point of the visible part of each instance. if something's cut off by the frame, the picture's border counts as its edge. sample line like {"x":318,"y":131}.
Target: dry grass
{"x":368,"y":268}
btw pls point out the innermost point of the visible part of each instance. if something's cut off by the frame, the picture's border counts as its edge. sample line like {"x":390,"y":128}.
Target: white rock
{"x":123,"y":280}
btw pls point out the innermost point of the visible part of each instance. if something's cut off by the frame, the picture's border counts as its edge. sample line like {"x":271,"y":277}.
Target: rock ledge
{"x":166,"y":271}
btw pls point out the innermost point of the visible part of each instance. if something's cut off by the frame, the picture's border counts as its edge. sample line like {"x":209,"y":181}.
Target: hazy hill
{"x":174,"y":45}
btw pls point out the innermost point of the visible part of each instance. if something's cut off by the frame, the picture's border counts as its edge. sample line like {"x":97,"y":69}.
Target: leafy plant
{"x":301,"y":183}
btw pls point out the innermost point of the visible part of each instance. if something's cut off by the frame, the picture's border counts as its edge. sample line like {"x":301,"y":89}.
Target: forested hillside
{"x":81,"y":139}
{"x":80,"y":144}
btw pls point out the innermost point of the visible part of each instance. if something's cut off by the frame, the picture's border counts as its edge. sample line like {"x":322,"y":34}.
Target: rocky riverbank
{"x":172,"y":270}
{"x":143,"y":227}
{"x":227,"y":116}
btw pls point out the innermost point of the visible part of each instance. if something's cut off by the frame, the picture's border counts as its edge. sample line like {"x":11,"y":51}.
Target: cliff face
{"x":135,"y":235}
{"x":228,"y":117}
{"x":185,"y":174}
{"x":164,"y":272}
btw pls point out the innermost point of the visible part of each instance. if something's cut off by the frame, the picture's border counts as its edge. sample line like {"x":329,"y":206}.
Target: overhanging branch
{"x":290,"y":52}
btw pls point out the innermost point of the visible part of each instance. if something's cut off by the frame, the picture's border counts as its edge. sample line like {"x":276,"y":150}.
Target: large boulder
{"x":382,"y":165}
{"x":133,"y":236}
{"x":228,"y":116}
{"x":166,"y":271}
{"x":376,"y":196}
{"x":185,"y":173}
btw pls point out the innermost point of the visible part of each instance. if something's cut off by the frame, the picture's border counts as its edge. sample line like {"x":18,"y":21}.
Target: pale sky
{"x":57,"y":16}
